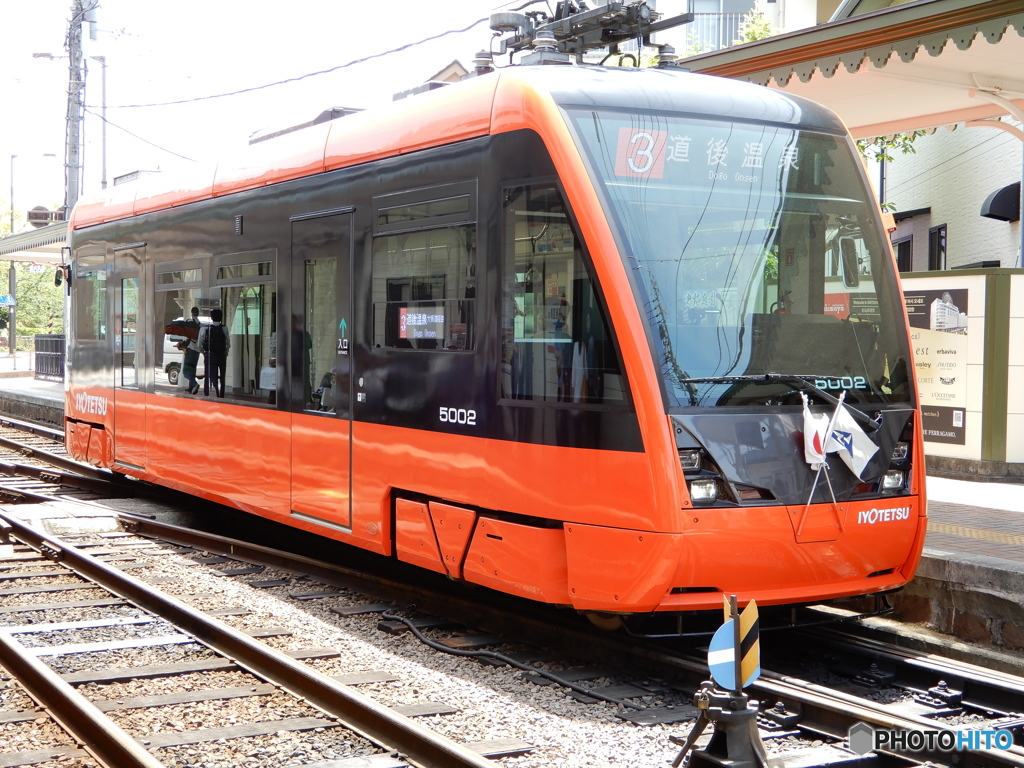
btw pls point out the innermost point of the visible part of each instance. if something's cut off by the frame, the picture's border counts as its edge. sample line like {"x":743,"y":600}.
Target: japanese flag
{"x":850,"y":441}
{"x":815,"y":428}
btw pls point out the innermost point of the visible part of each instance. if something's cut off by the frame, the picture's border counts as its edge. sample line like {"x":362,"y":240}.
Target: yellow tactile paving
{"x":976,"y":533}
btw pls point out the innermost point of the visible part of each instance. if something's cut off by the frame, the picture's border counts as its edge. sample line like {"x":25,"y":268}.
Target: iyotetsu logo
{"x":91,"y":404}
{"x":874,"y":515}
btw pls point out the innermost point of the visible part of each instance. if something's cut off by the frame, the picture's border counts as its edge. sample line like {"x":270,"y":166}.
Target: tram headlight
{"x":690,"y":459}
{"x":900,"y":451}
{"x":893,"y":480}
{"x":703,"y":490}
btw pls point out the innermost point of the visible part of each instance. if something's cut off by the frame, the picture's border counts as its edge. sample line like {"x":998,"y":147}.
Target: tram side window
{"x":177,"y":292}
{"x":556,"y":343}
{"x":424,"y":269}
{"x":320,"y":343}
{"x":250,"y":315}
{"x":90,"y":301}
{"x":424,"y":294}
{"x":127,"y":319}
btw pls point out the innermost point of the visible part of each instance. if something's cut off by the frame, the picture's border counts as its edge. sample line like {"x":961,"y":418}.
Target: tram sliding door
{"x":319,"y":368}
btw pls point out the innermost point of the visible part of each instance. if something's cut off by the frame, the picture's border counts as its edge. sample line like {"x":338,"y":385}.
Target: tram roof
{"x":494,"y":103}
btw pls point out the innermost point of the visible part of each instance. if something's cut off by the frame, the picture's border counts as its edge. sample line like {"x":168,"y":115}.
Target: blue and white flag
{"x":847,"y":439}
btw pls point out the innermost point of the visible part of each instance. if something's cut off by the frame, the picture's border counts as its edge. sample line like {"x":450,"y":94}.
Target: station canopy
{"x":912,"y":66}
{"x":42,"y":245}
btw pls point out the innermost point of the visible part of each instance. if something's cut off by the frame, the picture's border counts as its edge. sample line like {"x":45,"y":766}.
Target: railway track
{"x":21,"y":439}
{"x":35,"y":467}
{"x":839,"y":680}
{"x":809,"y":698}
{"x":797,"y":706}
{"x":151,"y":619}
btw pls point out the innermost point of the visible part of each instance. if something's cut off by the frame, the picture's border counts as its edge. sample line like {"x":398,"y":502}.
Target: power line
{"x":306,"y":76}
{"x":945,"y":164}
{"x":136,"y":136}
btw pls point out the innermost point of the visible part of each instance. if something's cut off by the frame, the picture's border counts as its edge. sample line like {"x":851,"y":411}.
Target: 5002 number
{"x":846,"y":382}
{"x":458,"y":416}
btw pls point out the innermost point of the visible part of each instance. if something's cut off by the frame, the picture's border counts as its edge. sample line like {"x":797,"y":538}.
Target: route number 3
{"x":640,"y":152}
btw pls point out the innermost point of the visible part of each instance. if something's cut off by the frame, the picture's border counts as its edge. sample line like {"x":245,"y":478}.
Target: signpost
{"x":734,"y":658}
{"x":740,"y":630}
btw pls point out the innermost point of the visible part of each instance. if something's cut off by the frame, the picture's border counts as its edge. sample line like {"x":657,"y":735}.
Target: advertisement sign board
{"x":938,"y":332}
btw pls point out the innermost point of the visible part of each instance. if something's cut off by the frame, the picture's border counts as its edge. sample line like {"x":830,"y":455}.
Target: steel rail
{"x":102,"y":485}
{"x":15,"y":495}
{"x":831,"y":713}
{"x":63,"y":462}
{"x":36,"y":429}
{"x":822,"y":710}
{"x":981,"y":687}
{"x":100,"y":736}
{"x":9,"y":495}
{"x":355,"y":711}
{"x":495,"y":616}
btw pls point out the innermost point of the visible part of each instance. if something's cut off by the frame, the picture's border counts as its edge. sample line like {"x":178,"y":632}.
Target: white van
{"x":173,"y":356}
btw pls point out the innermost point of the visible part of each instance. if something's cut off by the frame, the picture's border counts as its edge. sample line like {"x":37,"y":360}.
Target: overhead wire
{"x":136,"y":136}
{"x":297,"y":78}
{"x":946,"y":164}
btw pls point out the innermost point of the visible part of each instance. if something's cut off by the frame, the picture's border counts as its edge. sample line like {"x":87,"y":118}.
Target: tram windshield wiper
{"x":807,"y":382}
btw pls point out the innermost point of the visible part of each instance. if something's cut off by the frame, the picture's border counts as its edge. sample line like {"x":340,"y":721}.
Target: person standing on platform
{"x":215,"y":342}
{"x":191,"y":350}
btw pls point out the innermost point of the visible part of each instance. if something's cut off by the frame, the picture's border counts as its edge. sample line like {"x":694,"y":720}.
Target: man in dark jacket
{"x":215,"y":342}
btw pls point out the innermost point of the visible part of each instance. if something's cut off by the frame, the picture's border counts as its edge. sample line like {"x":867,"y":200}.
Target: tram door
{"x":129,"y":356}
{"x":319,"y":368}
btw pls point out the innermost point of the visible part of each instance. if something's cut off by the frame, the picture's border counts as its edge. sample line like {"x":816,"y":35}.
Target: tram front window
{"x":756,"y":249}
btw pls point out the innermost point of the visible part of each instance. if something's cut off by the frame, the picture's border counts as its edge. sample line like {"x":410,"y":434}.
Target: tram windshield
{"x":755,"y":249}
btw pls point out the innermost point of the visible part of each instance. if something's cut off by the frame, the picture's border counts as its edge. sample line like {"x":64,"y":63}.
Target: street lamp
{"x":103,"y":117}
{"x":74,"y":125}
{"x":11,"y":232}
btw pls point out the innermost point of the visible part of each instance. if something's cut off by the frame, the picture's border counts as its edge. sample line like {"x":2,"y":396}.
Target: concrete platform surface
{"x":970,"y":583}
{"x":22,"y":396}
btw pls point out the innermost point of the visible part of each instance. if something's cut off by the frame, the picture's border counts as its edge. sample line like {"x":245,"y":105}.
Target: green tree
{"x":5,"y":222}
{"x":881,"y":148}
{"x":695,"y":46}
{"x":755,"y":26}
{"x":40,"y":306}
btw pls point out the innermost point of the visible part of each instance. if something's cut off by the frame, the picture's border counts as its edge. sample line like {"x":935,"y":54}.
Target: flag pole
{"x":824,"y":465}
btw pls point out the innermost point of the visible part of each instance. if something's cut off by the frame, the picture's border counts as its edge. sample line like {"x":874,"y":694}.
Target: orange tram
{"x":547,"y":331}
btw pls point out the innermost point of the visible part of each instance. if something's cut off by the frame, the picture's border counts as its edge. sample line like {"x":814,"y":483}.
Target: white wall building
{"x":943,"y":184}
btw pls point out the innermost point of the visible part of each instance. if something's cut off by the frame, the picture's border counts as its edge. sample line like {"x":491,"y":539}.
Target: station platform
{"x":970,"y":583}
{"x":22,"y":396}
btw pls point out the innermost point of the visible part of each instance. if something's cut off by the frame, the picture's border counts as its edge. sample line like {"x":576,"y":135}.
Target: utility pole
{"x":76,"y":89}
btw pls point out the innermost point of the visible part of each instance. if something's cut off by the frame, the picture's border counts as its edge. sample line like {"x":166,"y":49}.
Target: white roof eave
{"x":896,"y":83}
{"x":40,"y":245}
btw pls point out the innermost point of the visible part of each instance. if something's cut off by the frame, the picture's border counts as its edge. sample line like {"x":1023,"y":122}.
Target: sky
{"x":190,"y":50}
